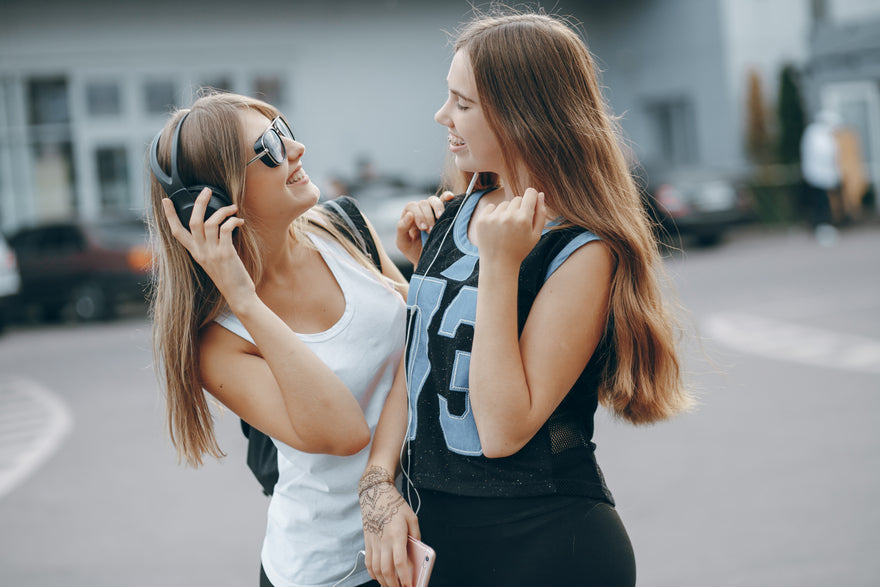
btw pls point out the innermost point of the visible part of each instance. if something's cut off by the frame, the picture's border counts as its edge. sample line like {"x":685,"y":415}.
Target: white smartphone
{"x":421,"y":556}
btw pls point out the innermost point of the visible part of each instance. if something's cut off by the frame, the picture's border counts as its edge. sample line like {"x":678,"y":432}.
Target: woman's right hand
{"x":209,"y":241}
{"x":415,"y":218}
{"x":388,"y":520}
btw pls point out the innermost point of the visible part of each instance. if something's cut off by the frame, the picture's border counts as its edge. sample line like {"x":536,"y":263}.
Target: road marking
{"x":33,"y":421}
{"x":787,"y":341}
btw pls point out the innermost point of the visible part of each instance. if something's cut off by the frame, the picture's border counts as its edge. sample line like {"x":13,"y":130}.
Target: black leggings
{"x":561,"y":541}
{"x":265,"y":582}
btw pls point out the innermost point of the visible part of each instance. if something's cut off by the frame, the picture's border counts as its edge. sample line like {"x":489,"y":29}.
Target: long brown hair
{"x":183,"y":299}
{"x":536,"y":81}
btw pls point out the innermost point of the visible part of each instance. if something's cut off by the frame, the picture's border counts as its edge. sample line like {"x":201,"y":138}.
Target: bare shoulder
{"x":591,"y":264}
{"x":578,"y":292}
{"x":229,"y":366}
{"x":216,"y":341}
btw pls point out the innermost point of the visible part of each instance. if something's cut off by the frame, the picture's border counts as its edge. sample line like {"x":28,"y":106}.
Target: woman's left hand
{"x":508,"y":231}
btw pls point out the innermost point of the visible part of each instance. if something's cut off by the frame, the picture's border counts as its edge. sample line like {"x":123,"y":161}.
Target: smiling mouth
{"x":455,"y":141}
{"x":298,"y":176}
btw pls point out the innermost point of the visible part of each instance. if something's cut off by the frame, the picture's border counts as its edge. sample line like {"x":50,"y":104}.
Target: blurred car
{"x":83,"y":270}
{"x":10,"y":282}
{"x":701,"y":204}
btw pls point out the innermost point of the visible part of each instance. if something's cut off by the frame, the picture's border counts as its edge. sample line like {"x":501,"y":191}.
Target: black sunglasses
{"x":269,"y":148}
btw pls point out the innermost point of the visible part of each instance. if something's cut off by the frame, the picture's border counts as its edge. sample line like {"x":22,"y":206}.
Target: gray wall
{"x":360,"y":79}
{"x":660,"y":51}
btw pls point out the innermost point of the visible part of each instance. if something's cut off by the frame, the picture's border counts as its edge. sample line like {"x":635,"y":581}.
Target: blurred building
{"x":84,"y":86}
{"x":677,"y":71}
{"x":843,"y":72}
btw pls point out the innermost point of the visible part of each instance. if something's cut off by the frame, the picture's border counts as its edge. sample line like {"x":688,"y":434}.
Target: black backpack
{"x":262,"y":456}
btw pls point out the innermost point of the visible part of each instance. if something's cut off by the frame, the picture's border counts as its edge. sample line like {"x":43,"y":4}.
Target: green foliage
{"x":773,"y":142}
{"x":777,"y":204}
{"x":792,"y":119}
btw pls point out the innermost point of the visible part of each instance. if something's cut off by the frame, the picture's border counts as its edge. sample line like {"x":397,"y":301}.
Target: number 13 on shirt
{"x":459,"y":431}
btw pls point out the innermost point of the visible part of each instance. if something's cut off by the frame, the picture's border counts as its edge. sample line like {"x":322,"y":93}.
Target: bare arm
{"x":516,"y":382}
{"x":387,"y":518}
{"x":279,"y":386}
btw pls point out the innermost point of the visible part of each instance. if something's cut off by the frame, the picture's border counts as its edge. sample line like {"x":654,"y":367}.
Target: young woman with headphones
{"x":260,"y":299}
{"x":534,"y":299}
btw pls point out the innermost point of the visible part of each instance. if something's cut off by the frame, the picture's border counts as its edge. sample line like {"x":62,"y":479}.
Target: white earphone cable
{"x":405,"y":468}
{"x":353,"y":569}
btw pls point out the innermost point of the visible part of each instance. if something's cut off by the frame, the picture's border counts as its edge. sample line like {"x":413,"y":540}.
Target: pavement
{"x":33,"y":422}
{"x":768,"y":482}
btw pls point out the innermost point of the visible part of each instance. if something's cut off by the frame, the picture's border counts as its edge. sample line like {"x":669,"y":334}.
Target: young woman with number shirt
{"x":535,"y":298}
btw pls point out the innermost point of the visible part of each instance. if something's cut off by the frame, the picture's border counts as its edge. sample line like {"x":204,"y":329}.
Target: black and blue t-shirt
{"x":445,"y":451}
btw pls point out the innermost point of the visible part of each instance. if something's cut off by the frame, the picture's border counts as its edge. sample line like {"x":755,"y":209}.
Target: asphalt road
{"x":769,"y":482}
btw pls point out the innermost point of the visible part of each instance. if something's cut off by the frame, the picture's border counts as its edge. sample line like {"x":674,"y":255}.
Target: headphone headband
{"x":170,"y":183}
{"x":182,"y":196}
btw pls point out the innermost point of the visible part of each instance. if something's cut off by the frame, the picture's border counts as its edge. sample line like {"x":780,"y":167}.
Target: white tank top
{"x":314,"y":531}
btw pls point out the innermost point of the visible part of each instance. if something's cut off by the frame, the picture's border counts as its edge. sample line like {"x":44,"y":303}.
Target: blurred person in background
{"x":264,"y":303}
{"x":536,"y":296}
{"x":821,"y":170}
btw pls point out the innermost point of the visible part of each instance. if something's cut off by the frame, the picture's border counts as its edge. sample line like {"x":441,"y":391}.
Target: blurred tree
{"x":757,"y":134}
{"x":790,"y":112}
{"x":774,"y":187}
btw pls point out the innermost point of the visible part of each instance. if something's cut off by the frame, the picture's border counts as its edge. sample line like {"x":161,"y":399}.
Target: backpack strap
{"x":354,"y":226}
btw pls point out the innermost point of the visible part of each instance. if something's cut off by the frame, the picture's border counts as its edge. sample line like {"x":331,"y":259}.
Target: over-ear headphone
{"x":182,"y":196}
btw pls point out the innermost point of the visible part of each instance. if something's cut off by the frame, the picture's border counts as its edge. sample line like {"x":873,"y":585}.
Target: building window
{"x":103,"y":99}
{"x":268,"y":89}
{"x":113,"y":184}
{"x":672,"y":125}
{"x":159,"y":96}
{"x":53,"y":179}
{"x":48,"y":101}
{"x":53,"y":171}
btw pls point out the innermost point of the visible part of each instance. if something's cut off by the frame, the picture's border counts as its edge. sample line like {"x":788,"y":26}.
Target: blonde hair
{"x":183,"y":298}
{"x":536,"y":82}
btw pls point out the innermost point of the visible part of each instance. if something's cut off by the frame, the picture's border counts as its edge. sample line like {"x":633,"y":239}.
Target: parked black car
{"x":83,"y":270}
{"x":696,"y":203}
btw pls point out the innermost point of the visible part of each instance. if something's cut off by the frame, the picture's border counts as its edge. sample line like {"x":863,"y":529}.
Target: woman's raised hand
{"x":510,"y":230}
{"x":209,"y":241}
{"x":417,"y":217}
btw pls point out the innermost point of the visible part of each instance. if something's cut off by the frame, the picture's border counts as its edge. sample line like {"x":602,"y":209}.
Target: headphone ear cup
{"x":185,"y":199}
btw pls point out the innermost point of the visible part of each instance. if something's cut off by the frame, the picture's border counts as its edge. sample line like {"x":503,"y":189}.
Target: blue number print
{"x":460,"y":432}
{"x":428,"y":293}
